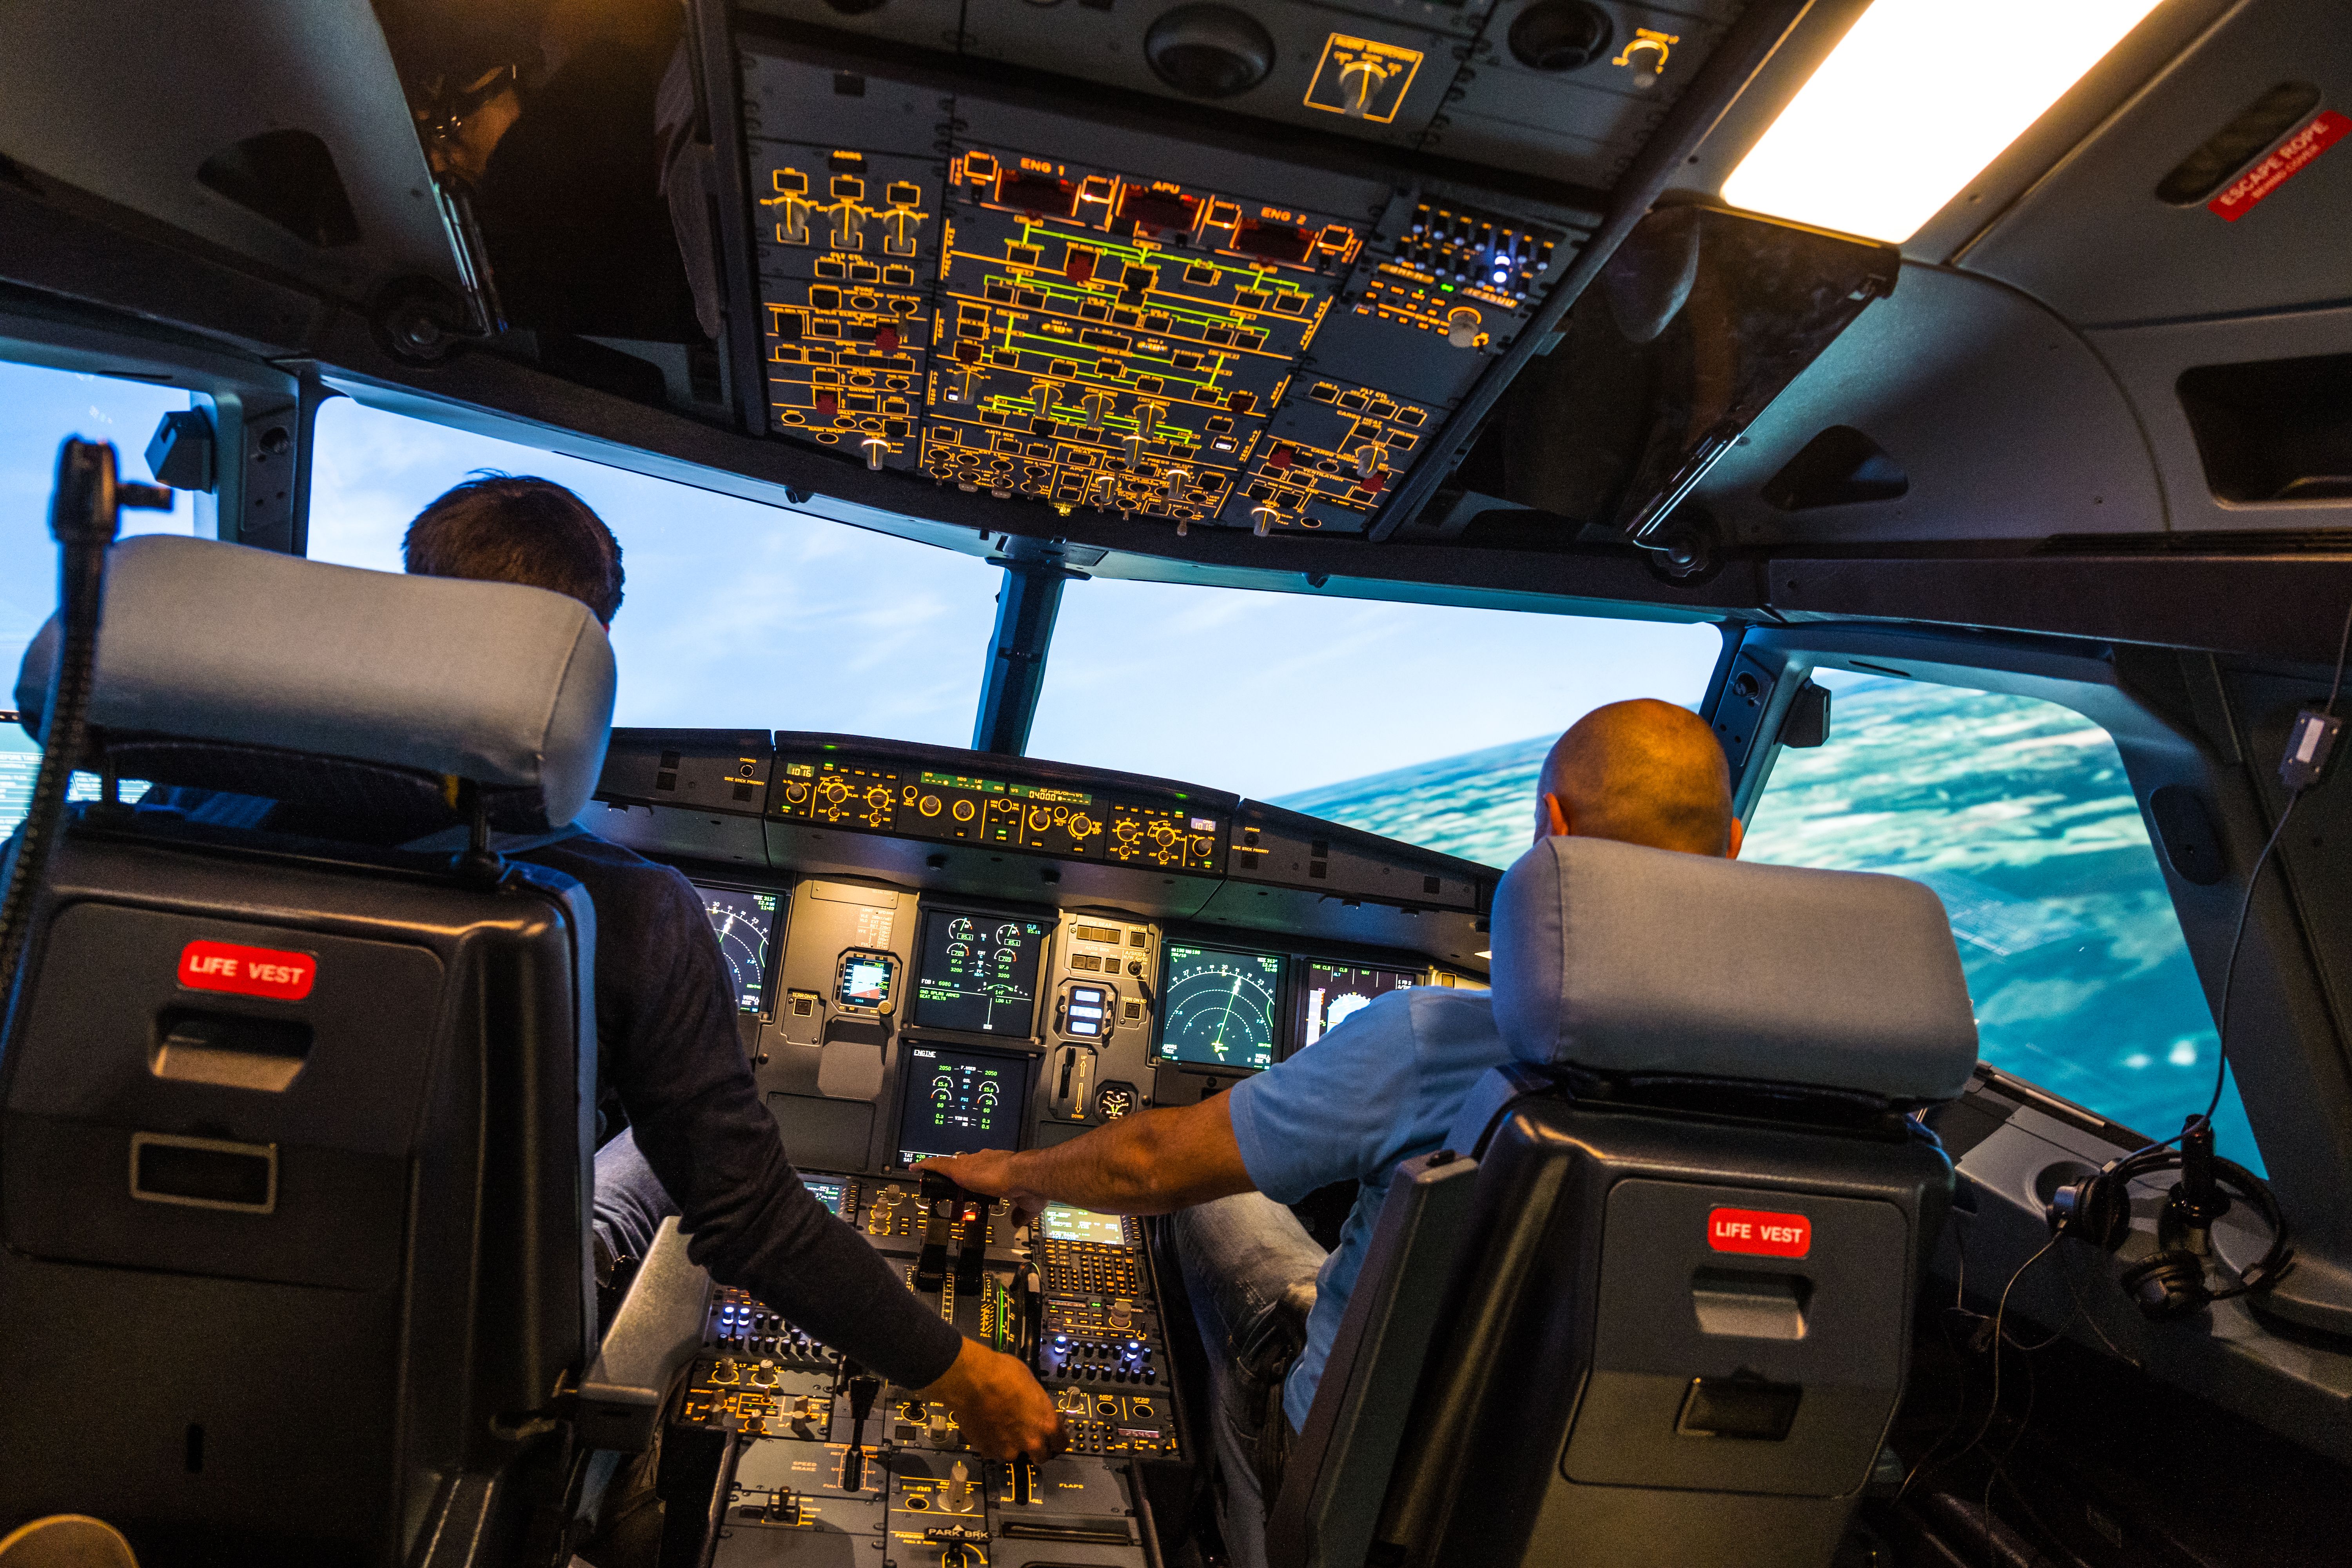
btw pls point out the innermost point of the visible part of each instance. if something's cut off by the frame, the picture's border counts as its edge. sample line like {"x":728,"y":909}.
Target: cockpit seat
{"x":296,"y":1127}
{"x":1653,"y":1305}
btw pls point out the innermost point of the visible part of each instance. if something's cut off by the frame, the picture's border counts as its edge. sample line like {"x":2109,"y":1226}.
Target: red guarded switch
{"x":828,"y":405}
{"x":886,"y":340}
{"x":1079,"y":267}
{"x":1281,"y":457}
{"x":1373,"y":484}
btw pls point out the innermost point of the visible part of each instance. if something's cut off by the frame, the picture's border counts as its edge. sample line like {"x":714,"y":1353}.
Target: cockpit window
{"x":40,"y":408}
{"x":1423,"y":722}
{"x":734,"y":614}
{"x":2018,"y":813}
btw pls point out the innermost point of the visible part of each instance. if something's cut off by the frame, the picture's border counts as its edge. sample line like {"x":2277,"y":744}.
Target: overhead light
{"x":1484,"y":953}
{"x":1913,"y":103}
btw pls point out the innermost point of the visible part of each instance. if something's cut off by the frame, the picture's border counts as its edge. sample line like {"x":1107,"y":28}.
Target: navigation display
{"x":1331,"y":994}
{"x":977,"y":972}
{"x":960,"y":1101}
{"x":1060,"y":1222}
{"x":1217,"y":1006}
{"x":745,"y":924}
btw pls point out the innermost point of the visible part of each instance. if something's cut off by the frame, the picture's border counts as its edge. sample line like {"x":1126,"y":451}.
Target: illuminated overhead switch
{"x":1040,"y":193}
{"x":1156,"y":209}
{"x":1079,"y":266}
{"x":1462,"y":327}
{"x":1275,"y":241}
{"x":1281,"y":457}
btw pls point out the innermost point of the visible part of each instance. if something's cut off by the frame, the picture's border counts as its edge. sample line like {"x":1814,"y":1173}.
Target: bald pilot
{"x":1381,"y":1087}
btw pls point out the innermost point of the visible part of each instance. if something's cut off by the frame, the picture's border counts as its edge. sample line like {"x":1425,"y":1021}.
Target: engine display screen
{"x":745,"y":925}
{"x":1328,"y":994}
{"x":978,"y":974}
{"x":867,"y":980}
{"x":1060,"y":1222}
{"x":1217,"y":1006}
{"x":960,"y":1101}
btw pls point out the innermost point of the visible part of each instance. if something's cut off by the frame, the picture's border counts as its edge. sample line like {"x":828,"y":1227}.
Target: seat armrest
{"x":657,"y":1330}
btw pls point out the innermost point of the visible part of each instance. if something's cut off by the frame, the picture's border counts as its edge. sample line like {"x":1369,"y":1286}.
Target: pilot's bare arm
{"x":1152,"y":1162}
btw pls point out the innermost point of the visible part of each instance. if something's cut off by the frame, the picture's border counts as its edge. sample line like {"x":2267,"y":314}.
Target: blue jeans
{"x":1242,"y":1257}
{"x":631,"y":1202}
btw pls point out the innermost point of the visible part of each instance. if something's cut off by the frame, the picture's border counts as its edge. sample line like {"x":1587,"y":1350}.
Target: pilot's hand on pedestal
{"x":989,"y":1173}
{"x":999,"y":1407}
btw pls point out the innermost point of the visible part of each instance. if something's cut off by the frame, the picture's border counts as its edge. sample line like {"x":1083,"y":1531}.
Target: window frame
{"x":2283,"y":1055}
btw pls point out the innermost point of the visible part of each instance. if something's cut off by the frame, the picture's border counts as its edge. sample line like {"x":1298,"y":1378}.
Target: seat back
{"x":294,"y":1131}
{"x":1655,"y":1306}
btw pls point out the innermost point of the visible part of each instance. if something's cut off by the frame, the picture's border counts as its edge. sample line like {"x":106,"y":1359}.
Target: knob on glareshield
{"x":1462,"y":327}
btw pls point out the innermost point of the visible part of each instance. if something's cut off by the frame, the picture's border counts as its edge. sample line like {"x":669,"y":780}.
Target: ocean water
{"x":2016,"y":813}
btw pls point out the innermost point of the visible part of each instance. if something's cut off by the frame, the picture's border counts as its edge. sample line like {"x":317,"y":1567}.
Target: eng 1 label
{"x":1760,"y":1232}
{"x":267,"y":971}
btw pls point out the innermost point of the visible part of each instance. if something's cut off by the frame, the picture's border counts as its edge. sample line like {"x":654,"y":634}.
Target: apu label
{"x":248,"y":971}
{"x":1758,"y":1231}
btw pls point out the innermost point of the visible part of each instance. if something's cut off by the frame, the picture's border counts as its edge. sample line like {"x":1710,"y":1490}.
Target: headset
{"x":2170,"y":1283}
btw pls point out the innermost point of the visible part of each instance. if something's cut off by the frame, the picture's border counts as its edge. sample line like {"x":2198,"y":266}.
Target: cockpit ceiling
{"x":1266,"y":290}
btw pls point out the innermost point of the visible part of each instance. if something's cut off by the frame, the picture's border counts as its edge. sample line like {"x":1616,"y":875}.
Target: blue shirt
{"x":1384,"y":1085}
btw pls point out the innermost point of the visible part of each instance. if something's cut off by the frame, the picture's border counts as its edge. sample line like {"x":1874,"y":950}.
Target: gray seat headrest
{"x":507,"y":686}
{"x":1624,"y":959}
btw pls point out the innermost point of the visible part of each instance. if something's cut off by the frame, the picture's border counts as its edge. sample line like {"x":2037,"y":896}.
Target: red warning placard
{"x":2286,"y":160}
{"x":248,"y":971}
{"x":1760,"y":1232}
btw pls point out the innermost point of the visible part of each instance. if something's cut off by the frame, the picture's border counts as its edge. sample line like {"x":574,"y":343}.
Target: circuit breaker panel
{"x":1021,"y":301}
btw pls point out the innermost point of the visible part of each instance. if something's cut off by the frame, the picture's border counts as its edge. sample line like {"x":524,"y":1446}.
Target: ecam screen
{"x":960,"y":1101}
{"x":977,"y":974}
{"x":1331,"y":993}
{"x":828,"y":1193}
{"x":1060,"y":1222}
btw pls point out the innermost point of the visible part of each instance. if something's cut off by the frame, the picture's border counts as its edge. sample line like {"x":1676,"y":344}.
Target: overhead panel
{"x":1001,"y":293}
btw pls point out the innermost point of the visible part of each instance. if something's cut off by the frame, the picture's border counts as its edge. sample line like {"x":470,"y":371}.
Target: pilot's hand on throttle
{"x":999,"y":1407}
{"x":988,"y":1172}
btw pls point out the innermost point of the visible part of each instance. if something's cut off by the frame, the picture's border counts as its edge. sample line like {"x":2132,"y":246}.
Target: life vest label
{"x":248,"y":971}
{"x":1760,"y":1232}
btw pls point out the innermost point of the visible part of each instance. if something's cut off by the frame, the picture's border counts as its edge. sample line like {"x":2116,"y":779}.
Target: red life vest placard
{"x":248,"y":971}
{"x":1760,"y":1232}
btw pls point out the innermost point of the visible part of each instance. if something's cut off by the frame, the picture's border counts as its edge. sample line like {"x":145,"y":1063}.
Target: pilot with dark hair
{"x":701,"y":1143}
{"x":1383,"y":1086}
